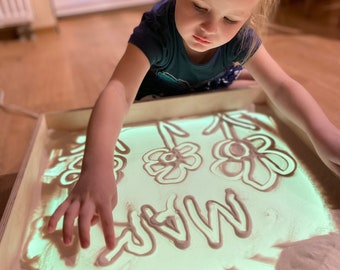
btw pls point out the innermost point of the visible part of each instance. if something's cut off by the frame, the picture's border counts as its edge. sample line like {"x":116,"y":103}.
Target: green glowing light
{"x":220,"y":188}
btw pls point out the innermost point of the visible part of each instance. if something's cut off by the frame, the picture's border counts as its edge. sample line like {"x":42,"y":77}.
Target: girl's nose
{"x":209,"y":26}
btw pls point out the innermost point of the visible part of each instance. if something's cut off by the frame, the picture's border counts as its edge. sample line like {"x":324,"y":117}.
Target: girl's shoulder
{"x":160,"y":13}
{"x":156,"y":31}
{"x":243,"y":45}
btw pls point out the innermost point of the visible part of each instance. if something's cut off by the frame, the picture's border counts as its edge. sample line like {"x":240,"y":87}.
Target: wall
{"x":74,"y":7}
{"x":45,"y":12}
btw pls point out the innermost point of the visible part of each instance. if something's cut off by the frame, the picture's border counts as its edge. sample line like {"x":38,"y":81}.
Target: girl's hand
{"x":93,"y":197}
{"x":328,"y":149}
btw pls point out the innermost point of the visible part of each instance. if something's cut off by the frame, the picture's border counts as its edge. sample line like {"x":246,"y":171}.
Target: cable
{"x":11,"y":108}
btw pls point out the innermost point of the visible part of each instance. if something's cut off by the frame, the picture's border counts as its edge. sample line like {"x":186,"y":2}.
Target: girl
{"x":183,"y":46}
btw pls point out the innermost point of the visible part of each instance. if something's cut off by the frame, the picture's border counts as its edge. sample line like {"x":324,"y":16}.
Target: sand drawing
{"x":243,"y":158}
{"x":171,"y":163}
{"x":137,"y":238}
{"x":202,"y":184}
{"x":68,"y":166}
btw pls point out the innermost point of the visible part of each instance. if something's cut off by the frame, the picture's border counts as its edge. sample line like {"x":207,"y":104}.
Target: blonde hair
{"x":263,"y":13}
{"x":259,"y":20}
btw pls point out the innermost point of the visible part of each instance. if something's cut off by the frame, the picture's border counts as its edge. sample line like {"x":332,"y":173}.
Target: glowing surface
{"x":214,"y":192}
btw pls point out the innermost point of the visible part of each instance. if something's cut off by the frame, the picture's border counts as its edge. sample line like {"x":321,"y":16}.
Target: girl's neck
{"x":199,"y":58}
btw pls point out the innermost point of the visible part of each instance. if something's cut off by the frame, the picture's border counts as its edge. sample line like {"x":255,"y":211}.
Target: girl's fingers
{"x":86,"y":214}
{"x":68,"y":225}
{"x":58,"y":213}
{"x":94,"y":219}
{"x":105,"y":213}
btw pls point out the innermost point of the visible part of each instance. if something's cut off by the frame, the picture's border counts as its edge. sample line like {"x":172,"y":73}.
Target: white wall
{"x":45,"y":12}
{"x":73,"y":7}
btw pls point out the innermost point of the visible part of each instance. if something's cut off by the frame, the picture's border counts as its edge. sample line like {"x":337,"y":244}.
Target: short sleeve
{"x":243,"y":45}
{"x":151,"y":35}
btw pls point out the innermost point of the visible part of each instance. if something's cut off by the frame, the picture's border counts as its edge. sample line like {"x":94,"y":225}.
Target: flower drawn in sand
{"x":68,"y":167}
{"x":170,"y":164}
{"x":254,"y":159}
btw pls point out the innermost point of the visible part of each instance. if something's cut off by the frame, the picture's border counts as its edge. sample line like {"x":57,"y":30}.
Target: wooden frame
{"x":23,"y":196}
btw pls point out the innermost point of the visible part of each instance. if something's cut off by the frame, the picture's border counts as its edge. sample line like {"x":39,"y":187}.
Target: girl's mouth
{"x":201,"y":40}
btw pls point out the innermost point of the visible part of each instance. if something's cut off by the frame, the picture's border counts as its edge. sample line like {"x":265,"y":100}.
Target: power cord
{"x":11,"y":108}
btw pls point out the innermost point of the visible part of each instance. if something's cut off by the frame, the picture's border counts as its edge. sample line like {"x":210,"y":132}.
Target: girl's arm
{"x":95,"y":193}
{"x":295,"y":102}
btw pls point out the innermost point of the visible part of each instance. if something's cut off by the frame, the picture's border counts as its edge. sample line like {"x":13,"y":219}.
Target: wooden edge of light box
{"x":23,"y":192}
{"x":12,"y":225}
{"x":165,"y":108}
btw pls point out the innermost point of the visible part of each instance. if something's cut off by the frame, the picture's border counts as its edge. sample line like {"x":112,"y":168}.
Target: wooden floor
{"x":67,"y":68}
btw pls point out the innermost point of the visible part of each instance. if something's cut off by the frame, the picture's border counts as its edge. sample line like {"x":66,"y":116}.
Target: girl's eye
{"x":199,"y":8}
{"x":227,"y":20}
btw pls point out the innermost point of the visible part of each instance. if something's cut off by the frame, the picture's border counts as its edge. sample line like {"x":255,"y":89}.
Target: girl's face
{"x":207,"y":24}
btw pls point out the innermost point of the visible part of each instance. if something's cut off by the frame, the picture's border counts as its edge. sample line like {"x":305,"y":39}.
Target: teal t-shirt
{"x":171,"y":71}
